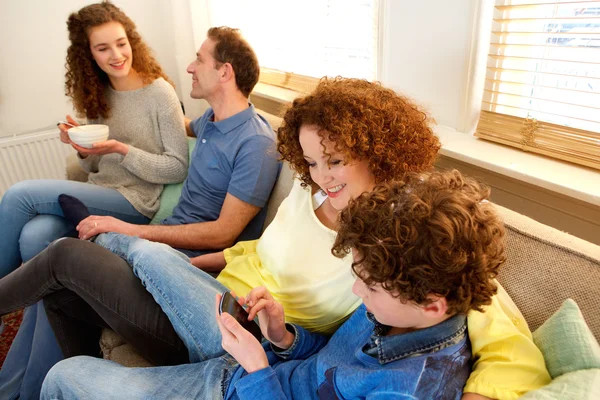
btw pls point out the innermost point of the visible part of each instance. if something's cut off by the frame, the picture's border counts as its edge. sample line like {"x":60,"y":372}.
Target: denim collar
{"x":229,"y":124}
{"x":428,"y":340}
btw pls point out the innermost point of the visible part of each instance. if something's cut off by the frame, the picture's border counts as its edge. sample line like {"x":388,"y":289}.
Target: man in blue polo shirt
{"x":233,"y":166}
{"x":233,"y":169}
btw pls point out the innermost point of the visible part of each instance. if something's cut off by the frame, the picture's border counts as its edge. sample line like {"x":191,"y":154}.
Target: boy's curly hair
{"x":365,"y":121}
{"x":85,"y":82}
{"x":433,"y":233}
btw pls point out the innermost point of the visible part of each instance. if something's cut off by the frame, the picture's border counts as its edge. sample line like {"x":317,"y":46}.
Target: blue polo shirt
{"x":236,"y":155}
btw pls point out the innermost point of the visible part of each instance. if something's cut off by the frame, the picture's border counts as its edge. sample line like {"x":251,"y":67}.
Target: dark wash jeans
{"x":86,"y":288}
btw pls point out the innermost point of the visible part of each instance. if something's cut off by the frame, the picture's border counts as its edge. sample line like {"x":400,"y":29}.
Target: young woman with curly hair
{"x":112,"y":79}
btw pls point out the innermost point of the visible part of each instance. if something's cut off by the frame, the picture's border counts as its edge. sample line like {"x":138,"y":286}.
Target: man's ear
{"x":226,"y":72}
{"x":437,"y":308}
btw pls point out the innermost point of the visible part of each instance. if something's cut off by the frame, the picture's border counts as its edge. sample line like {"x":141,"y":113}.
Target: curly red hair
{"x":432,"y":233}
{"x":85,"y":81}
{"x":364,"y":121}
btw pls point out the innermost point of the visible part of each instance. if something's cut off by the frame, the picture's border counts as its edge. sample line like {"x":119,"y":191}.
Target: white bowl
{"x":87,"y":135}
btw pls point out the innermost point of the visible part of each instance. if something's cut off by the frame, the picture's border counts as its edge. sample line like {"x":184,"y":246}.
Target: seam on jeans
{"x":16,"y":393}
{"x":175,"y":312}
{"x":225,"y":381}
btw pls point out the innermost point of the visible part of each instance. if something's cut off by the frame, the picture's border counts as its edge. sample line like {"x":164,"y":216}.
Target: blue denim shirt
{"x":359,"y":361}
{"x":423,"y":341}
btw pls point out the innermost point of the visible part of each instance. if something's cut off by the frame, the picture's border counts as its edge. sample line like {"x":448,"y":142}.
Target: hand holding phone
{"x":230,"y":305}
{"x":271,"y":317}
{"x":235,"y":339}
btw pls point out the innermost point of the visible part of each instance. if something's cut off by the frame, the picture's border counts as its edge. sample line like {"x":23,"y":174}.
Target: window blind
{"x":542,"y":86}
{"x":298,"y":42}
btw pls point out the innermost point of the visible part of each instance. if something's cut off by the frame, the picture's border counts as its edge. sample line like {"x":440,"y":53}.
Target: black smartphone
{"x":230,"y":305}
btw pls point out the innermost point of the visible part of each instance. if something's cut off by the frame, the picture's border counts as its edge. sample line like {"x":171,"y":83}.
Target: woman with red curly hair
{"x":112,"y":79}
{"x":341,"y":140}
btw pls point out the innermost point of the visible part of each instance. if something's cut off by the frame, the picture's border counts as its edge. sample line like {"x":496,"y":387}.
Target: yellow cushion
{"x":507,"y":362}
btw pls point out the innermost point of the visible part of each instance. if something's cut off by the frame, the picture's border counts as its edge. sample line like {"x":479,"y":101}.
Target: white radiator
{"x":39,"y":155}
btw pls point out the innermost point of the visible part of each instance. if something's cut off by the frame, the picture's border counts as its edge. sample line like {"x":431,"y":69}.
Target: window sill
{"x":277,"y":96}
{"x":557,"y":176}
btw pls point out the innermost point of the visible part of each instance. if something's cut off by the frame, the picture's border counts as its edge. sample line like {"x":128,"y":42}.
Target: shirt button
{"x":203,"y":140}
{"x":516,"y":321}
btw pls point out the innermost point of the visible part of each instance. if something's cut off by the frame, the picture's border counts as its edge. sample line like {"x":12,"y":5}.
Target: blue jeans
{"x":21,"y":374}
{"x":93,"y":378}
{"x":31,"y":218}
{"x":185,"y":293}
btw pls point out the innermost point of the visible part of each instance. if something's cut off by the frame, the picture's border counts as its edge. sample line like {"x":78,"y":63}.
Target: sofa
{"x":544,"y":267}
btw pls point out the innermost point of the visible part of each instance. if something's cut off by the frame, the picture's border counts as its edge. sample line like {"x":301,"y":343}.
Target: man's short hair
{"x":232,"y":48}
{"x":433,"y":233}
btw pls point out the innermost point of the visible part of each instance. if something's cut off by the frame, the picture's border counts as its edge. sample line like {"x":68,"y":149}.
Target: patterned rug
{"x":12,"y":322}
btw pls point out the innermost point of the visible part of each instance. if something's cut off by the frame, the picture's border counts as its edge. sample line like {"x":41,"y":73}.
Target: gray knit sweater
{"x":150,"y":121}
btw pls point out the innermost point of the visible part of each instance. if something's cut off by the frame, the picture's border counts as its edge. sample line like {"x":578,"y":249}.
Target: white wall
{"x":33,"y":49}
{"x":426,"y":52}
{"x":189,"y":38}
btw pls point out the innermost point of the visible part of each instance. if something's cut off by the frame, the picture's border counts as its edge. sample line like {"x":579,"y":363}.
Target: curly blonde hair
{"x":85,"y":82}
{"x":432,"y":233}
{"x":364,"y":121}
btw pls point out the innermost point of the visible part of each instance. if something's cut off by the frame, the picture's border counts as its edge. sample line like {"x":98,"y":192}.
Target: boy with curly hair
{"x":426,"y":251}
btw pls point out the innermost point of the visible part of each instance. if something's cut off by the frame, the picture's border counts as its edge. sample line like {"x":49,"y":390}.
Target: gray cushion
{"x":280,"y":191}
{"x":546,"y":266}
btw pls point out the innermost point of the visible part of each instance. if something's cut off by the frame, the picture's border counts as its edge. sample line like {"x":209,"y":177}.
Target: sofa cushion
{"x":74,"y":172}
{"x":580,"y":385}
{"x":280,"y":191}
{"x":545,"y":266}
{"x":171,"y":193}
{"x":566,"y":341}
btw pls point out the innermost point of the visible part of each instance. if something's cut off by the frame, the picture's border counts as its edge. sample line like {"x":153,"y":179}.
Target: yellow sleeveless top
{"x":293,"y":261}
